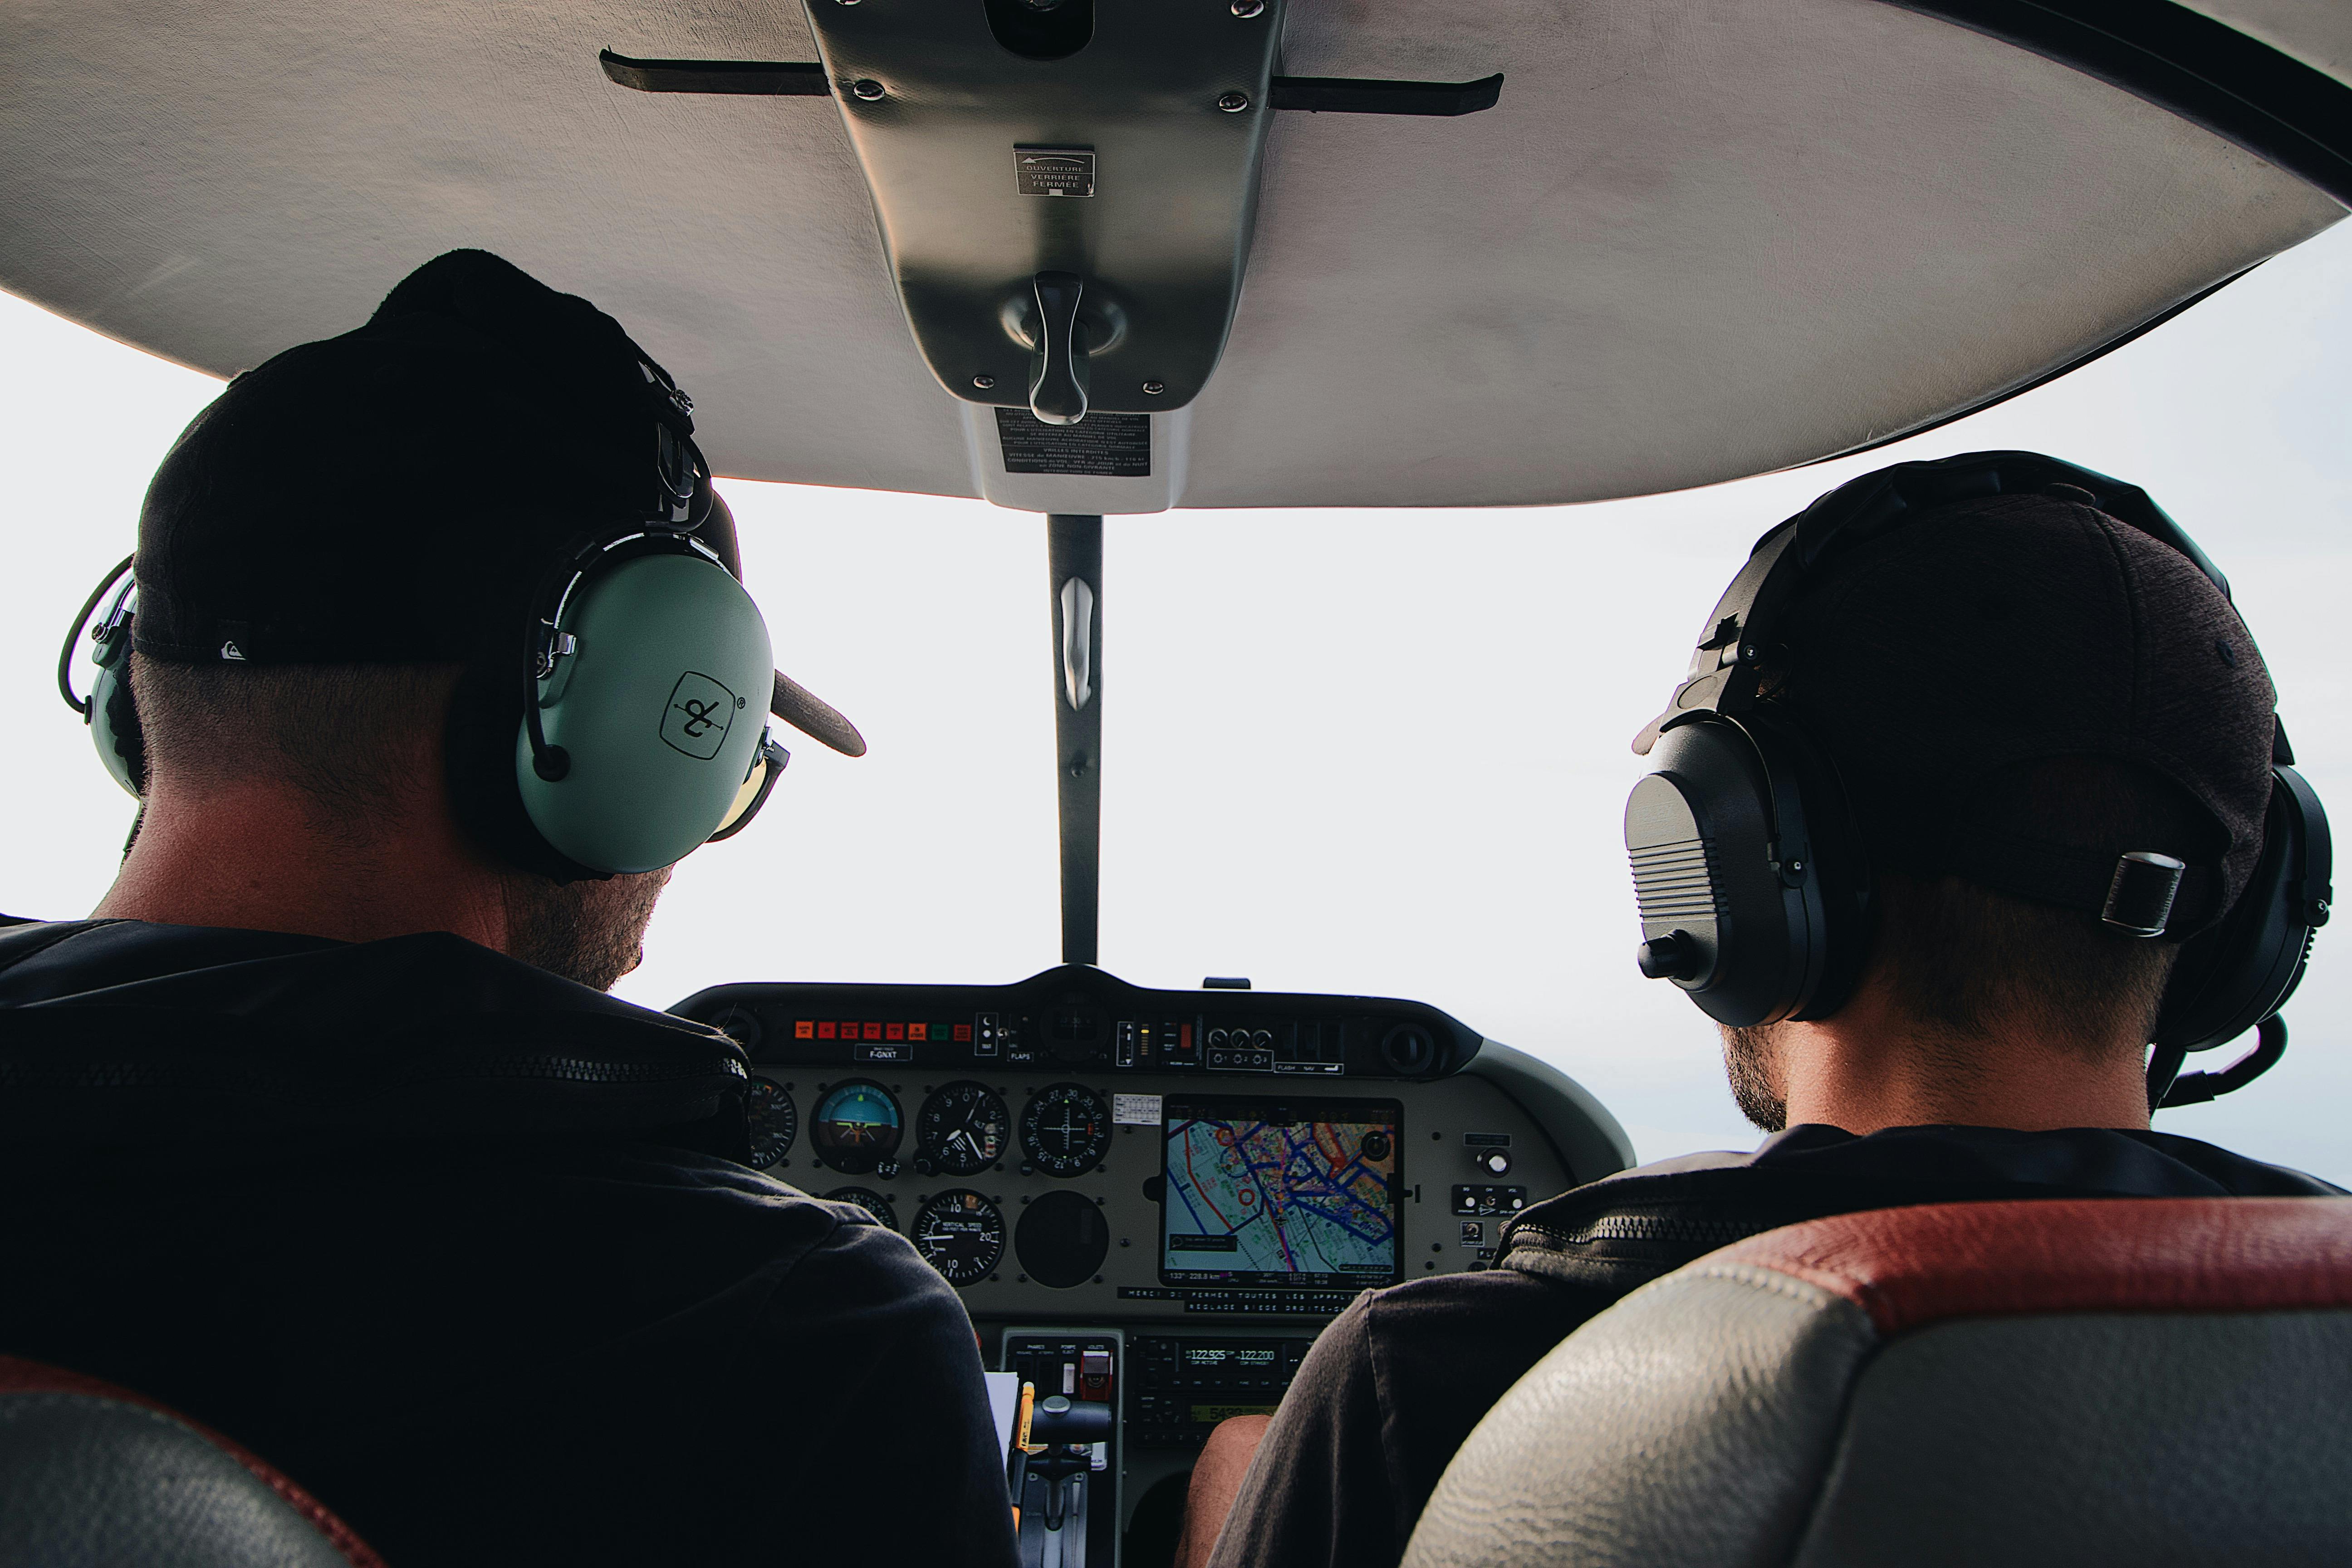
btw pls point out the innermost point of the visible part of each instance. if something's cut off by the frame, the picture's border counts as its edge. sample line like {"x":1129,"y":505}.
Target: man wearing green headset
{"x":322,"y":1130}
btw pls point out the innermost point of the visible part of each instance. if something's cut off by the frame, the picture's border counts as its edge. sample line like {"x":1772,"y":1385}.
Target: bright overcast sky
{"x":1348,"y":750}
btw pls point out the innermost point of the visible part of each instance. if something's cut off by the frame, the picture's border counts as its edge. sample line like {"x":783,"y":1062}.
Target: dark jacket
{"x":1397,"y":1382}
{"x":456,"y":1244}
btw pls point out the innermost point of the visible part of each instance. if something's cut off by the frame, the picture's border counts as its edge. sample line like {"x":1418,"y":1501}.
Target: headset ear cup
{"x":1822,"y":851}
{"x":114,"y":726}
{"x":1715,"y":918}
{"x":1754,"y":891}
{"x":479,"y":764}
{"x":659,"y":709}
{"x":2229,"y":978}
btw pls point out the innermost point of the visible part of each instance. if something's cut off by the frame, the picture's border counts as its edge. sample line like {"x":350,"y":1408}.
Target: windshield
{"x":1357,"y":750}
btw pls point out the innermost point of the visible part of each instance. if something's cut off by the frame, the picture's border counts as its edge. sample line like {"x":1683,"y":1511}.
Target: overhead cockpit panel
{"x":1689,"y":241}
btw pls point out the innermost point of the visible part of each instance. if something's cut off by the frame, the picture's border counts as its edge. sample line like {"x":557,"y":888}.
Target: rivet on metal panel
{"x":1232,"y":102}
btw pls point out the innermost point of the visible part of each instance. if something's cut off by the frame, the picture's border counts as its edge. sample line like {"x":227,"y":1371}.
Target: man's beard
{"x":1749,"y":1058}
{"x":591,"y":932}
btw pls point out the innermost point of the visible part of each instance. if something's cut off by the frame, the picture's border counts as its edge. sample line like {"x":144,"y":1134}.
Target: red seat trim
{"x":1911,"y":1266}
{"x":19,"y":1376}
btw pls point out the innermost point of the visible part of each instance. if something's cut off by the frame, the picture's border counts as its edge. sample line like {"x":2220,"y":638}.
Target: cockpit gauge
{"x":1066,"y":1128}
{"x":962,"y":1234}
{"x":774,"y":1122}
{"x":856,"y":1126}
{"x":963,"y":1129}
{"x":870,"y":1200}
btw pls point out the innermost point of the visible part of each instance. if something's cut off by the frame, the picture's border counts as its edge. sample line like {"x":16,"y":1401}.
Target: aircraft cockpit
{"x":1118,"y":264}
{"x":1151,"y":1200}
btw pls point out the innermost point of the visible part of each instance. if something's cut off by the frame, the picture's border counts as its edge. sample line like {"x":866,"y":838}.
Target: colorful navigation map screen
{"x":1280,"y":1191}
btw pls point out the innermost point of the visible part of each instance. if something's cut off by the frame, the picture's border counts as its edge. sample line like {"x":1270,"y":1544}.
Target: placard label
{"x":1106,"y":446}
{"x":1053,"y":171}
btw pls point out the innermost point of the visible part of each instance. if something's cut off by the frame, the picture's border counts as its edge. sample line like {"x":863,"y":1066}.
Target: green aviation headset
{"x":645,"y":678}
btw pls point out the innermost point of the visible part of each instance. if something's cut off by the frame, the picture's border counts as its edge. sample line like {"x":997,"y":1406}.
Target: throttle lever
{"x":1058,"y":1419}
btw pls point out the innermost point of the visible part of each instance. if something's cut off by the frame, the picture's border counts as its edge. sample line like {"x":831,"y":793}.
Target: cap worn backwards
{"x":1962,"y":671}
{"x":377,"y":496}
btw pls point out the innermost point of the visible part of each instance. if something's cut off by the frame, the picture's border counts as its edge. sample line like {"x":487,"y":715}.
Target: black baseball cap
{"x":397,"y":493}
{"x":2018,"y":689}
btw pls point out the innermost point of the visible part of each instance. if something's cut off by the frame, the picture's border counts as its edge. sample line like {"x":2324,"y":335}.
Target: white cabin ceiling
{"x":1695,"y":239}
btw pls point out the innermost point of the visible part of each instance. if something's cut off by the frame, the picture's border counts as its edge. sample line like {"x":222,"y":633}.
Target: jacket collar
{"x":119,"y":1031}
{"x":1626,"y":1229}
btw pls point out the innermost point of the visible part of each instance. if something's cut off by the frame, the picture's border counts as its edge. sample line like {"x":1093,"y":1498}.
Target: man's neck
{"x":1869,"y":1068}
{"x":262,"y":857}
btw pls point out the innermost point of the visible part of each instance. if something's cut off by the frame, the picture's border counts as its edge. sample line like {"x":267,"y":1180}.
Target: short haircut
{"x":350,"y":738}
{"x":1959,"y":957}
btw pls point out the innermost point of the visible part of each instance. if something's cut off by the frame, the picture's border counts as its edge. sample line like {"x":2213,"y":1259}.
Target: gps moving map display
{"x":1280,"y":1191}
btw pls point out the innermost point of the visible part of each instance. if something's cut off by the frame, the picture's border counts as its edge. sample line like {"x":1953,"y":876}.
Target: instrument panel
{"x":1072,"y":1147}
{"x":1154,"y":1200}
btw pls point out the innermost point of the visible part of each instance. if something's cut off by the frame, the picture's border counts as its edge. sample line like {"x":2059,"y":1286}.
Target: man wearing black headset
{"x":322,"y":1131}
{"x":1972,"y":789}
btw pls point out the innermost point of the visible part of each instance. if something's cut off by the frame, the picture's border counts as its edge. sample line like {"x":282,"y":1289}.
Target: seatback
{"x":2142,"y":1381}
{"x":92,"y":1476}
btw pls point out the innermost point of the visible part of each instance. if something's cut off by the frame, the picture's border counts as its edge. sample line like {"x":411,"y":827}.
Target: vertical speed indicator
{"x":1066,"y":1128}
{"x":962,"y":1234}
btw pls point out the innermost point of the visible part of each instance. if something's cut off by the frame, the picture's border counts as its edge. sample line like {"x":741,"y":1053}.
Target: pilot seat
{"x":2143,"y":1380}
{"x":92,"y":1476}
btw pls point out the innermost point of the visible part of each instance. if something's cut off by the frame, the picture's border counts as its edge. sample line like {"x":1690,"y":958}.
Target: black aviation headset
{"x":1755,"y":891}
{"x":643,"y":673}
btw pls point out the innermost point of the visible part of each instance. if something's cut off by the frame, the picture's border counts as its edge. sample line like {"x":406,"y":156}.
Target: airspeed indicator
{"x":772,"y":1120}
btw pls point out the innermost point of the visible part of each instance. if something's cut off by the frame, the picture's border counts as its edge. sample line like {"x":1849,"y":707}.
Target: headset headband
{"x":117,"y":615}
{"x":681,"y":499}
{"x":1725,"y":666}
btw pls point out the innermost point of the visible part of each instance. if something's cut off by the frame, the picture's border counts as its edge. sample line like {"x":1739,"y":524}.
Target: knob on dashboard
{"x":1495,"y":1162}
{"x":1409,"y":1050}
